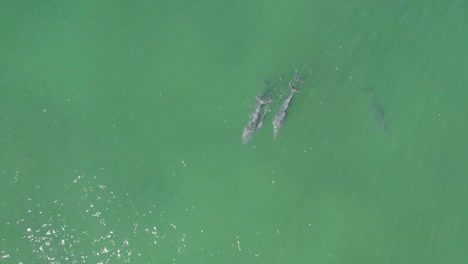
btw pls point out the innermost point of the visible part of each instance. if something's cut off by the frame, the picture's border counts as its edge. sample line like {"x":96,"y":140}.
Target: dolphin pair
{"x":261,"y":108}
{"x":279,"y":118}
{"x":256,"y":119}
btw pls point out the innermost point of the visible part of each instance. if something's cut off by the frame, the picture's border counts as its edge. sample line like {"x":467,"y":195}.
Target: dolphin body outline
{"x":379,"y":114}
{"x":281,"y":115}
{"x":256,"y":118}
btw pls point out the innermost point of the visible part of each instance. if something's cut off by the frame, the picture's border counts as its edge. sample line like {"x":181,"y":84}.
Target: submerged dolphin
{"x":264,"y":112}
{"x":256,"y":119}
{"x":379,"y":114}
{"x":279,"y":118}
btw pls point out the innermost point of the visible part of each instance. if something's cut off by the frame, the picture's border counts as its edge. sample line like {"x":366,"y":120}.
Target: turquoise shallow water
{"x":121,"y":127}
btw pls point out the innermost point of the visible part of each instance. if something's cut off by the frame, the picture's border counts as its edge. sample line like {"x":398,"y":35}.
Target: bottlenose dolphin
{"x":256,"y":119}
{"x":379,"y":114}
{"x":264,"y":112}
{"x":279,"y":118}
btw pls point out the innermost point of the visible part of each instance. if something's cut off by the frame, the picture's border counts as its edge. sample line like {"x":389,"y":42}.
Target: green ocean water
{"x":121,"y":132}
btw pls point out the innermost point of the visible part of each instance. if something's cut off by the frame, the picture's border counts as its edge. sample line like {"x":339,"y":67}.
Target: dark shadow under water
{"x":379,"y":113}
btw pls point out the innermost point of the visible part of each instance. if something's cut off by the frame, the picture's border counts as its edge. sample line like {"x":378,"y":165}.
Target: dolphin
{"x":264,"y":112}
{"x":379,"y":114}
{"x":281,"y":115}
{"x":256,"y":119}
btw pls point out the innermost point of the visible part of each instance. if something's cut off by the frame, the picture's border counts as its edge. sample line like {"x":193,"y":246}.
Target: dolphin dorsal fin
{"x":293,"y":89}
